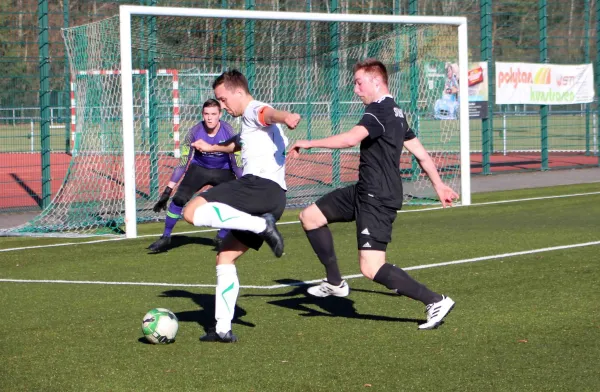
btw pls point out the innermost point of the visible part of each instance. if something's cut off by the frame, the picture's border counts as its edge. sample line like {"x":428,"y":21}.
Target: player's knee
{"x":226,"y":257}
{"x":189,"y":211}
{"x":222,"y":260}
{"x":180,"y":200}
{"x":312,"y":218}
{"x":305,"y":219}
{"x":370,"y":264}
{"x":188,"y":214}
{"x":367,"y":271}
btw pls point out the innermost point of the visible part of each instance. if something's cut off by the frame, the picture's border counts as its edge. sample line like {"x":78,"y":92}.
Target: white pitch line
{"x":290,"y":222}
{"x":279,"y":286}
{"x":505,"y":201}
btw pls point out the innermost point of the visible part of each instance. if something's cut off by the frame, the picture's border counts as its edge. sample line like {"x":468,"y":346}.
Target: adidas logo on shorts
{"x":366,"y":245}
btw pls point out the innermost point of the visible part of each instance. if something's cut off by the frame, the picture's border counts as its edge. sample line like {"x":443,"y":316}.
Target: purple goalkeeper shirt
{"x":208,"y":160}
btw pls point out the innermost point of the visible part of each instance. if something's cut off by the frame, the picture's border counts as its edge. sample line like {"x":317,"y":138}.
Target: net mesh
{"x":300,"y":66}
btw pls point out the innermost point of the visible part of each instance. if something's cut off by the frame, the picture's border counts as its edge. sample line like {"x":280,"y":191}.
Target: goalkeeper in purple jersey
{"x":198,"y":169}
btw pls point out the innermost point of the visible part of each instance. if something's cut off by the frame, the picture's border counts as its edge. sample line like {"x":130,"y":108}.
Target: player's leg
{"x":235,"y":205}
{"x":219,"y":176}
{"x":236,"y":243}
{"x":195,"y":178}
{"x":226,"y":292}
{"x":374,"y":228}
{"x":337,"y":206}
{"x":219,"y":238}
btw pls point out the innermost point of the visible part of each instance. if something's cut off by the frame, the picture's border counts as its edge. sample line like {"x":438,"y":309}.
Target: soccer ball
{"x":160,"y":326}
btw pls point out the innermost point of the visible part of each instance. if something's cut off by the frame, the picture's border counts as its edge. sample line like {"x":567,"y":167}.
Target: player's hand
{"x":161,"y":204}
{"x":292,"y":120}
{"x":294,"y":151}
{"x":202,"y":146}
{"x":446,"y":195}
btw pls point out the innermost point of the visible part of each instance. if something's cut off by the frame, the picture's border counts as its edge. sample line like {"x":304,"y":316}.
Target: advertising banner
{"x":446,"y":106}
{"x":544,"y":84}
{"x":478,"y":90}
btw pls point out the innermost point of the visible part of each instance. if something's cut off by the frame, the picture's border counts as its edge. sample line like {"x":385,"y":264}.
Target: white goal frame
{"x":127,"y":11}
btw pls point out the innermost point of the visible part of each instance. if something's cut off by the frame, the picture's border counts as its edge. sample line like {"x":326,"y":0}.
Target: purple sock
{"x":173,"y":215}
{"x":222,"y":233}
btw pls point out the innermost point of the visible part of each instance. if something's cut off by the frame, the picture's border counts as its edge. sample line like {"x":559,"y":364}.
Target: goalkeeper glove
{"x":161,"y":204}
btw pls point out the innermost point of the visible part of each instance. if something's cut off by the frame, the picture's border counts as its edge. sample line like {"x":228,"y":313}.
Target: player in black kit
{"x":374,"y":200}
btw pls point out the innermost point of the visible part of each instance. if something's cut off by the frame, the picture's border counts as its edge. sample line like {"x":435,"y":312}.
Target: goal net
{"x":140,"y":80}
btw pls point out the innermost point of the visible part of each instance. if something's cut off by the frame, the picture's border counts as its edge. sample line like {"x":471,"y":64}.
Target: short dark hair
{"x":210,"y":103}
{"x":372,"y":66}
{"x":232,"y":79}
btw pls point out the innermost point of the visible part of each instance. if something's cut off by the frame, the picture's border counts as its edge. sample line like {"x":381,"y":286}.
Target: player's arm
{"x":229,"y":146}
{"x":344,"y":140}
{"x":267,"y":116}
{"x":235,"y":158}
{"x":444,"y":192}
{"x":178,"y":172}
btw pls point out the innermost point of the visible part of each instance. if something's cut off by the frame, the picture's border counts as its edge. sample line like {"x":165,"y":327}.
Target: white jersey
{"x":263,"y":146}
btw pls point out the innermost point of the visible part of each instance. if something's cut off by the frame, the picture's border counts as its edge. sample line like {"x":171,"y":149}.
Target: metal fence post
{"x":44,"y":64}
{"x":334,"y":75}
{"x":249,"y":47}
{"x":66,"y":93}
{"x":413,"y":9}
{"x":309,"y":91}
{"x":543,"y":20}
{"x":487,"y":130}
{"x":586,"y":59}
{"x":154,"y":132}
{"x":597,"y":78}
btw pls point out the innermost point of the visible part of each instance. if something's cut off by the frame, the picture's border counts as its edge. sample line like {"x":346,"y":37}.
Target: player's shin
{"x":173,"y":215}
{"x":321,"y":241}
{"x":228,"y":287}
{"x":395,"y":278}
{"x":223,"y":216}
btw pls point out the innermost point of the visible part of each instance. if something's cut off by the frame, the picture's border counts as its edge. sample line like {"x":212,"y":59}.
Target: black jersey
{"x":379,"y":169}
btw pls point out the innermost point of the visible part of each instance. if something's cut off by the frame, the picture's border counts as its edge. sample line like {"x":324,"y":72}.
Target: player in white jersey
{"x":250,"y":205}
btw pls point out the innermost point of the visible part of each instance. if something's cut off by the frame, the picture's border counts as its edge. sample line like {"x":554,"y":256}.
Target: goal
{"x":128,"y":110}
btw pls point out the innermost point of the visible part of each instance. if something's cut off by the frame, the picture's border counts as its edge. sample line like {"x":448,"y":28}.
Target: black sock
{"x":395,"y":278}
{"x":321,"y":241}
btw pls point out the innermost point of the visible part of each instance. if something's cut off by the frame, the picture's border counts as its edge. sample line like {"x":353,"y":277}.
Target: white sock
{"x":222,"y":216}
{"x":228,"y":287}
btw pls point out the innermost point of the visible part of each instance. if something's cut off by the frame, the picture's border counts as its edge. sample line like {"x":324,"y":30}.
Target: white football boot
{"x":325,"y":289}
{"x":436,"y":313}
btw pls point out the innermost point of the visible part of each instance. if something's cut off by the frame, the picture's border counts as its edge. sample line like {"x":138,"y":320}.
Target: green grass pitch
{"x":524,"y":322}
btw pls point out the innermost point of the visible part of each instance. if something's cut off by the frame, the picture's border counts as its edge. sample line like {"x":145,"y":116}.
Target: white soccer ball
{"x":160,"y":326}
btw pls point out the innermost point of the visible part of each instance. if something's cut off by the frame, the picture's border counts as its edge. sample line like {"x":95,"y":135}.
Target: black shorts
{"x":197,"y":177}
{"x":253,"y":195}
{"x":373,"y":219}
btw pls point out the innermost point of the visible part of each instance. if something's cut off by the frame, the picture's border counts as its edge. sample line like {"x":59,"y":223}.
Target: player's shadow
{"x":182,"y":240}
{"x":205,"y":316}
{"x":298,"y":299}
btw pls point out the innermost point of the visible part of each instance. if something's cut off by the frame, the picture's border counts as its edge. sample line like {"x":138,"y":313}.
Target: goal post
{"x":127,"y":11}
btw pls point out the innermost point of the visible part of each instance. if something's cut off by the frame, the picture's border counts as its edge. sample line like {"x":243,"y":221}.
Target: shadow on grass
{"x":206,"y":315}
{"x":298,"y":299}
{"x":181,"y":240}
{"x":144,"y":340}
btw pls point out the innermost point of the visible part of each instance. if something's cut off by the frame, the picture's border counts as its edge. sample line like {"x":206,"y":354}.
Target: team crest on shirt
{"x":398,"y":112}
